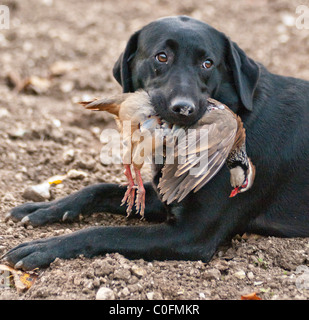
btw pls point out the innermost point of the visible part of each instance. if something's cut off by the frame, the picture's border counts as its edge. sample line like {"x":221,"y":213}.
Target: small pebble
{"x":38,"y":192}
{"x":240,"y":274}
{"x":138,"y":271}
{"x":105,"y":293}
{"x":68,"y":156}
{"x":154,"y":296}
{"x":76,"y":174}
{"x":212,"y":274}
{"x":2,"y":249}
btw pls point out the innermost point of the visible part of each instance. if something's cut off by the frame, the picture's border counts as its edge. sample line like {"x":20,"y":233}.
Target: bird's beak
{"x":237,"y":190}
{"x":234,"y":192}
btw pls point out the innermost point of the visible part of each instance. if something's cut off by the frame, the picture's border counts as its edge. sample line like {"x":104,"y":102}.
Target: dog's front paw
{"x":40,"y":213}
{"x":35,"y":254}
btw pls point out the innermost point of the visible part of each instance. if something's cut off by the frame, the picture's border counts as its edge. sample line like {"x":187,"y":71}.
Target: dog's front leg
{"x":160,"y":241}
{"x":104,"y":197}
{"x":190,"y":235}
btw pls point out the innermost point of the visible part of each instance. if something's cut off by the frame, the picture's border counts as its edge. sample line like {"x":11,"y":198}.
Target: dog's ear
{"x":121,"y":70}
{"x":246,"y":73}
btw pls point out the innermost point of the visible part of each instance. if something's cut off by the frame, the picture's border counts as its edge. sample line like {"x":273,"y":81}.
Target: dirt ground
{"x":70,"y":47}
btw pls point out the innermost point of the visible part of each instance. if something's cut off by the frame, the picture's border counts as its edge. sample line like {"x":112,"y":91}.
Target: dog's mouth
{"x":163,"y":123}
{"x":183,"y":112}
{"x":156,"y":122}
{"x":182,"y":119}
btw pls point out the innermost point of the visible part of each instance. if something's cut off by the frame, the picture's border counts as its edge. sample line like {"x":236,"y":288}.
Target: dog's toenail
{"x":19,"y":264}
{"x":25,"y":220}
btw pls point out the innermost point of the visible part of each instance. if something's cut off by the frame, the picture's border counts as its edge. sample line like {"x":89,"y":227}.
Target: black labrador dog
{"x":181,"y":62}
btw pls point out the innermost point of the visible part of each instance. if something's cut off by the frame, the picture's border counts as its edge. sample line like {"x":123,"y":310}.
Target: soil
{"x":43,"y":132}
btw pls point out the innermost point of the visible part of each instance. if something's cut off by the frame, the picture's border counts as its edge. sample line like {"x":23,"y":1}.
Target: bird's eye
{"x":161,"y":57}
{"x":207,"y":64}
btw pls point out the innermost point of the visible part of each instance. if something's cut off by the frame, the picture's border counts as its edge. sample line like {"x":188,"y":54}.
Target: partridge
{"x":219,"y":138}
{"x":130,"y":109}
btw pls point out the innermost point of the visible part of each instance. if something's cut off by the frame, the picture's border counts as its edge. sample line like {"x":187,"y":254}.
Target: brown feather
{"x":176,"y":181}
{"x":225,"y":132}
{"x":240,"y":138}
{"x":134,"y":107}
{"x":111,"y":104}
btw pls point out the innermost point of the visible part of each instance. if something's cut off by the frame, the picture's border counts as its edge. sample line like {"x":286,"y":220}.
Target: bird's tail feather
{"x":111,"y":104}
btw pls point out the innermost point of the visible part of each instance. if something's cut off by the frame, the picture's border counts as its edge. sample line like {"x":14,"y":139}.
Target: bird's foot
{"x":129,"y":197}
{"x":140,"y":200}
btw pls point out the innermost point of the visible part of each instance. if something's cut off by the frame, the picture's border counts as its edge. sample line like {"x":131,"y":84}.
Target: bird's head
{"x":247,"y":182}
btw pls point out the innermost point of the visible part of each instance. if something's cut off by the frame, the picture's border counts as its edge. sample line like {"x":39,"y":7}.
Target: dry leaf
{"x":32,"y":84}
{"x":61,"y":67}
{"x":21,"y":280}
{"x":14,"y":81}
{"x":251,"y":236}
{"x":250,"y":296}
{"x":55,"y":182}
{"x":37,"y":84}
{"x":56,"y":179}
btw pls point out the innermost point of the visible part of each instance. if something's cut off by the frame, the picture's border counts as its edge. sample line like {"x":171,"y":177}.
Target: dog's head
{"x":181,"y":62}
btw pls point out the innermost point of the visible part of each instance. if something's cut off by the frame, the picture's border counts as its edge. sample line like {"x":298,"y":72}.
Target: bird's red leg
{"x":130,"y":193}
{"x":140,"y":199}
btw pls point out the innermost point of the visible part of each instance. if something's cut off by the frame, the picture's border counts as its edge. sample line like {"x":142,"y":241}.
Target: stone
{"x":138,"y":271}
{"x":103,"y":269}
{"x":105,"y":293}
{"x":122,"y":274}
{"x":241,"y":274}
{"x":76,"y":174}
{"x":68,"y":156}
{"x":4,"y":113}
{"x":38,"y":192}
{"x":154,"y":296}
{"x":212,"y":274}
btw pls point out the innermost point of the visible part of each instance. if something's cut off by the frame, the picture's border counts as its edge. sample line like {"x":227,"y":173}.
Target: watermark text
{"x":184,"y":147}
{"x":302,"y":20}
{"x":4,"y":17}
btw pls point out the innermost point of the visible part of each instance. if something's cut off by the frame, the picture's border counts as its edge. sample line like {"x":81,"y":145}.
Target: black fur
{"x":275,"y":111}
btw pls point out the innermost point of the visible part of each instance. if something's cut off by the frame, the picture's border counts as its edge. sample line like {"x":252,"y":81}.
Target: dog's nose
{"x":183,"y":107}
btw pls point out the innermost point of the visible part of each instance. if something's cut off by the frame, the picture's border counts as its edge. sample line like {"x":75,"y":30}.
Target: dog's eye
{"x":161,"y":57}
{"x":207,"y":64}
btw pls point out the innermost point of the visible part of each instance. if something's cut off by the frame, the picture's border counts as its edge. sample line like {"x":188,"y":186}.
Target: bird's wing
{"x":215,"y":135}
